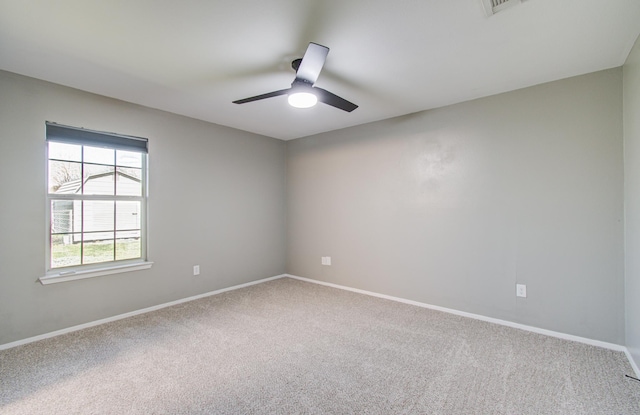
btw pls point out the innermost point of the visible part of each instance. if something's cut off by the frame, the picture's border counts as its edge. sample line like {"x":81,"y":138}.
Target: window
{"x":96,"y":203}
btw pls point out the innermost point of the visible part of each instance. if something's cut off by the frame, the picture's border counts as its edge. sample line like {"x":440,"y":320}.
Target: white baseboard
{"x":538,"y":330}
{"x":131,"y":314}
{"x":551,"y":333}
{"x":633,"y":362}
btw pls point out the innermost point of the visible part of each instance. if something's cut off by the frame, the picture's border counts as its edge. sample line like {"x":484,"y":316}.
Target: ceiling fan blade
{"x":263,"y":96}
{"x":312,"y":63}
{"x":334,"y":100}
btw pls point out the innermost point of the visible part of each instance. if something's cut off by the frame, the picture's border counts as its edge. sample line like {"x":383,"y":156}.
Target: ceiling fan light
{"x":302,"y":99}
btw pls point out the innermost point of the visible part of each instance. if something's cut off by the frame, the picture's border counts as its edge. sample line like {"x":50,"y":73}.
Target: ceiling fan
{"x":302,"y":93}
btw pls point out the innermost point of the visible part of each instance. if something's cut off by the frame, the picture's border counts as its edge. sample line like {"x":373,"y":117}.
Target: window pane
{"x":128,"y":245}
{"x":128,"y":182}
{"x":99,"y":155}
{"x":64,"y":251}
{"x":97,"y":247}
{"x":127,"y":215}
{"x":62,"y":151}
{"x":65,"y":216}
{"x":64,"y":177}
{"x":135,"y":174}
{"x":128,"y":159}
{"x":98,"y":180}
{"x":98,"y":215}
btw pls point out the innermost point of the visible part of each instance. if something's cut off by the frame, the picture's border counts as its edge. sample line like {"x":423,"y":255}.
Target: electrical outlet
{"x":326,"y":260}
{"x":196,"y":270}
{"x":521,"y":290}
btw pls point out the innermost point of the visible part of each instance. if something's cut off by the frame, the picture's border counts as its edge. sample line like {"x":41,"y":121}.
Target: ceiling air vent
{"x":492,"y":7}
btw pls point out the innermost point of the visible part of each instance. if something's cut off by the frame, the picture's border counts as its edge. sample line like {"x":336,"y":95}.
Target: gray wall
{"x":217,"y":199}
{"x":631,"y":71}
{"x":449,"y":207}
{"x":454,"y":206}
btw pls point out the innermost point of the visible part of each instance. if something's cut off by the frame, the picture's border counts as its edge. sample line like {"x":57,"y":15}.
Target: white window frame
{"x":81,"y":136}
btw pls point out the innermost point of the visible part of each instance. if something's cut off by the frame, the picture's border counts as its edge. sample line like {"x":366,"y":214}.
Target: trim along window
{"x":96,"y":203}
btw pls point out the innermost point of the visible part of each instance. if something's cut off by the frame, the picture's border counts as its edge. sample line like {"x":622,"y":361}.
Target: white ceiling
{"x":193,"y":57}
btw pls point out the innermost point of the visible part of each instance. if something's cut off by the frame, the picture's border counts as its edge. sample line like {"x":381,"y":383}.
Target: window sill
{"x":97,"y":272}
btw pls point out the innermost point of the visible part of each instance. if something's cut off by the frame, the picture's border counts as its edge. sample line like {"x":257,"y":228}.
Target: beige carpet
{"x":290,"y":347}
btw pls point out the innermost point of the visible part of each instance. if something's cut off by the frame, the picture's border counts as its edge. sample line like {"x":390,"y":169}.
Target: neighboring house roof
{"x":74,"y":186}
